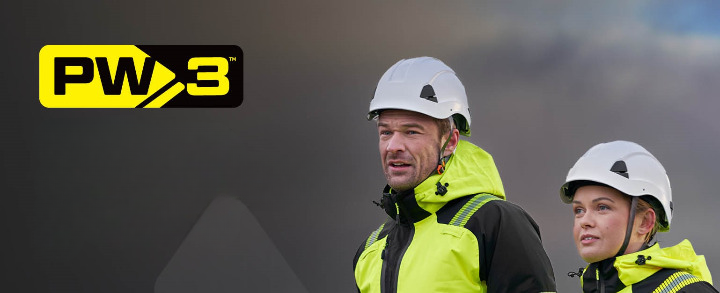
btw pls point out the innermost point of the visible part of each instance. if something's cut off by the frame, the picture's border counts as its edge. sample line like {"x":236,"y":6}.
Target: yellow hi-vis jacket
{"x":655,"y":269}
{"x":454,"y":233}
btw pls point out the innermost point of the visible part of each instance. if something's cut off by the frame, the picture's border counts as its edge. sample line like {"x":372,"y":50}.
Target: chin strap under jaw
{"x":628,"y":230}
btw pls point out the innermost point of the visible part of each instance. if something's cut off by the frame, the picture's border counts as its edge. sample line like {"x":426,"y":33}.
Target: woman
{"x":620,"y":196}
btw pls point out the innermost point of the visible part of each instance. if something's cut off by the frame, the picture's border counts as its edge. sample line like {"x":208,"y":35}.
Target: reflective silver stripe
{"x":676,"y":282}
{"x":464,"y":214}
{"x":373,"y":236}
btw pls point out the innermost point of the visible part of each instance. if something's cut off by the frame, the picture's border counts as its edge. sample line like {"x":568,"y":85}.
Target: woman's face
{"x":601,"y":215}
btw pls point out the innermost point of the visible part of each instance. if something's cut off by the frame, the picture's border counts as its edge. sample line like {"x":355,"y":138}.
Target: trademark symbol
{"x":232,"y":59}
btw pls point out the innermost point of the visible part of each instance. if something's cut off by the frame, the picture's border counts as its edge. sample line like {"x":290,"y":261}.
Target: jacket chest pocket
{"x":447,"y":255}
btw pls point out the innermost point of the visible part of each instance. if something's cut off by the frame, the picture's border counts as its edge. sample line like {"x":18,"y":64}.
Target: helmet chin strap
{"x":442,"y":160}
{"x":631,"y":222}
{"x":442,"y":188}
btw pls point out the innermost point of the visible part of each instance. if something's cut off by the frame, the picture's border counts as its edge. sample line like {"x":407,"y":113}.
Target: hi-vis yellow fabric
{"x":691,"y":267}
{"x":455,"y":267}
{"x":471,"y":171}
{"x":681,"y":257}
{"x":443,"y":270}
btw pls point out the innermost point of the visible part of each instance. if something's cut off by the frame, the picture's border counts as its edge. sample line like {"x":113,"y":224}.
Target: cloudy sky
{"x":102,"y":200}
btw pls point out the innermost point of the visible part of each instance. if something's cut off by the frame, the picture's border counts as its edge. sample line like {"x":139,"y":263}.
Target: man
{"x":449,"y":227}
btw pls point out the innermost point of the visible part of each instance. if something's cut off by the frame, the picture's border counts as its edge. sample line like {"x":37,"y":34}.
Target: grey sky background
{"x":100,"y":200}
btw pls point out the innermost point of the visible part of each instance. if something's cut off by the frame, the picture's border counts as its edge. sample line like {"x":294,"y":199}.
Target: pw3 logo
{"x":127,"y":76}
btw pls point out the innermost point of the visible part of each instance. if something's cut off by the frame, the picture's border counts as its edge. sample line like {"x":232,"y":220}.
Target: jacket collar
{"x":637,"y":266}
{"x":628,"y":269}
{"x":601,"y":277}
{"x":402,"y":206}
{"x":470,"y":170}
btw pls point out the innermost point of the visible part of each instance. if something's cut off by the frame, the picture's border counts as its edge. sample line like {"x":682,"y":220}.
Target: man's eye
{"x":412,"y":132}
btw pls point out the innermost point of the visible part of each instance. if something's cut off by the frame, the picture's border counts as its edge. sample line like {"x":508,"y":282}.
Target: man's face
{"x":409,"y":147}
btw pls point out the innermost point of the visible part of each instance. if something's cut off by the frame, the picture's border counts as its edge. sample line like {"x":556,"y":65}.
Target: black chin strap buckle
{"x":441,"y":167}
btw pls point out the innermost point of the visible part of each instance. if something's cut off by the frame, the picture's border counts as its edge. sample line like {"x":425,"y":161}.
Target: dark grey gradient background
{"x":99,"y":200}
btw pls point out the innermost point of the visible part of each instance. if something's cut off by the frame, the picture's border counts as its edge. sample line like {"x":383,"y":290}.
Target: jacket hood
{"x":637,"y":266}
{"x":470,"y":170}
{"x":628,"y":269}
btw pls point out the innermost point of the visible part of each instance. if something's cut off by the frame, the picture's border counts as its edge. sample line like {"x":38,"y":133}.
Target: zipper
{"x":384,"y":265}
{"x":391,"y":261}
{"x":396,"y":271}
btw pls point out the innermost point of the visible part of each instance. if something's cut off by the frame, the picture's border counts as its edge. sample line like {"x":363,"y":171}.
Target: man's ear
{"x":452,"y":144}
{"x":648,"y":222}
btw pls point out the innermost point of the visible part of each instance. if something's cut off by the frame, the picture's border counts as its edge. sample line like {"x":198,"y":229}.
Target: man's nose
{"x":395,"y":144}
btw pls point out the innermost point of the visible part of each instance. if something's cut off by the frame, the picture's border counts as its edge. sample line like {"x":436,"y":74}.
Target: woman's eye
{"x":577,"y":210}
{"x":603,"y":207}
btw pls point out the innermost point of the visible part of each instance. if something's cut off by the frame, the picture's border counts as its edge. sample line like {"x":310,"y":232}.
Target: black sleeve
{"x":699,"y":287}
{"x":355,"y":261}
{"x":512,"y":258}
{"x":357,"y":254}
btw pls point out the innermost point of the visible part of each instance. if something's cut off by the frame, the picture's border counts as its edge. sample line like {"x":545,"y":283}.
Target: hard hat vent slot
{"x":428,"y":93}
{"x":620,"y":168}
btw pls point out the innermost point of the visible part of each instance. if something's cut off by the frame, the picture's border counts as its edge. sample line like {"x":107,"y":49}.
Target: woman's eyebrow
{"x":602,"y":198}
{"x":595,"y":200}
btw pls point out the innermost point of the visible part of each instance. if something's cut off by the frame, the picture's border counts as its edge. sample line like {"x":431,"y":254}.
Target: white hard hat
{"x":627,"y":167}
{"x":424,"y":85}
